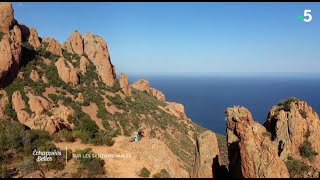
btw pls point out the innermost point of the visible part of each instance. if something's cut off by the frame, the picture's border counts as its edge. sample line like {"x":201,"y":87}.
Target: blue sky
{"x":189,"y":37}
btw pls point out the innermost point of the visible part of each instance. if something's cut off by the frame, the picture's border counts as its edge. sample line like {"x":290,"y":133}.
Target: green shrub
{"x":66,"y":135}
{"x":303,"y":113}
{"x":102,"y":138}
{"x":267,"y":134}
{"x":1,"y":35}
{"x":10,"y":111}
{"x":89,"y":167}
{"x":307,"y":151}
{"x":296,"y":168}
{"x":286,"y":104}
{"x":162,"y":174}
{"x":86,"y":102}
{"x":144,"y":172}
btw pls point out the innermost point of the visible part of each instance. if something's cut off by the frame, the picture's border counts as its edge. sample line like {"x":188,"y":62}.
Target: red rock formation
{"x":74,"y":44}
{"x":290,"y":129}
{"x":206,"y":156}
{"x":83,"y":64}
{"x":6,"y":16}
{"x":158,"y":94}
{"x":33,"y":38}
{"x":142,"y":85}
{"x":176,"y":109}
{"x":124,"y":84}
{"x":96,"y":49}
{"x":53,"y":46}
{"x":252,"y":154}
{"x":66,"y":71}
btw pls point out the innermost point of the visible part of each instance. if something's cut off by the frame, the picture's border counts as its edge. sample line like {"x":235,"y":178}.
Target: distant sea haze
{"x":206,"y":96}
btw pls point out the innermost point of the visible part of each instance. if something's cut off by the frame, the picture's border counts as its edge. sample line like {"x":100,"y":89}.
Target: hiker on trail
{"x":137,"y":135}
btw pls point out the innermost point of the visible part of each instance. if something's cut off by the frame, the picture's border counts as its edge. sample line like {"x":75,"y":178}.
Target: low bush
{"x":144,"y":172}
{"x":296,"y":168}
{"x":307,"y":151}
{"x":162,"y":174}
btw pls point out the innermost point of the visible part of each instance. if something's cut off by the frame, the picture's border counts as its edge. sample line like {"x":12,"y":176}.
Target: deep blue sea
{"x":206,"y":97}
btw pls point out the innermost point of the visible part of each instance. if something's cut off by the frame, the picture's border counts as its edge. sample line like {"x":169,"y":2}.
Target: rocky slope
{"x":69,"y":91}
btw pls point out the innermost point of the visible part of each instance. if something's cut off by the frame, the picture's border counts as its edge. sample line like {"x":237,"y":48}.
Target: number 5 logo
{"x":307,"y":13}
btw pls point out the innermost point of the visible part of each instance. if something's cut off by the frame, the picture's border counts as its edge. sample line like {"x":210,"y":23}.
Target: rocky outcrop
{"x":74,"y":44}
{"x":34,"y":76}
{"x":5,"y":56}
{"x":291,"y":123}
{"x":16,"y":38}
{"x":124,"y":84}
{"x":84,"y":63}
{"x":66,"y":71}
{"x":176,"y":109}
{"x":38,"y":104}
{"x":142,"y":85}
{"x":3,"y":102}
{"x":18,"y":103}
{"x":53,"y":46}
{"x":33,"y":38}
{"x":206,"y":156}
{"x":6,"y":16}
{"x":252,"y":154}
{"x":96,"y":49}
{"x":10,"y":48}
{"x":157,"y":94}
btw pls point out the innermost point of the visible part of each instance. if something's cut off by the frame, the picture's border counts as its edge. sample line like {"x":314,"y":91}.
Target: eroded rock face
{"x":206,"y":156}
{"x":83,"y":64}
{"x":5,"y":56}
{"x":177,"y":109}
{"x":53,"y":46}
{"x":142,"y":85}
{"x":66,"y":71}
{"x":252,"y":154}
{"x":6,"y":16}
{"x":16,"y":38}
{"x":158,"y":94}
{"x":18,"y":103}
{"x":124,"y":84}
{"x":33,"y":38}
{"x":38,"y":104}
{"x":3,"y":102}
{"x":34,"y":76}
{"x":96,"y":49}
{"x":290,"y":129}
{"x":74,"y":44}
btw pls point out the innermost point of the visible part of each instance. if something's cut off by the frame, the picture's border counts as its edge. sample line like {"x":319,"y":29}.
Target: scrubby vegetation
{"x":144,"y":172}
{"x":267,"y":134}
{"x":296,"y":168}
{"x":303,"y":113}
{"x":162,"y":174}
{"x":1,"y":35}
{"x":17,"y":145}
{"x":286,"y":104}
{"x":89,"y":166}
{"x":307,"y":151}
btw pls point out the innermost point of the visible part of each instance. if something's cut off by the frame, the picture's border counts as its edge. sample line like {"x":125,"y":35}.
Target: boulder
{"x":34,"y":76}
{"x":66,"y":71}
{"x":84,"y":63}
{"x":206,"y":156}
